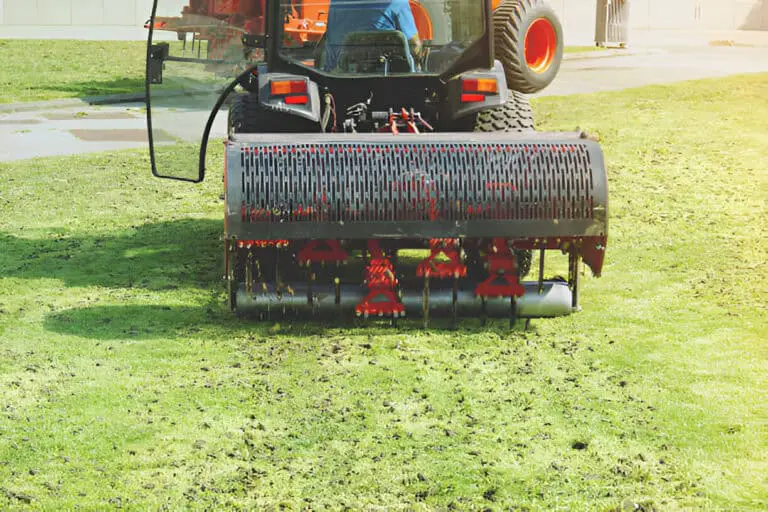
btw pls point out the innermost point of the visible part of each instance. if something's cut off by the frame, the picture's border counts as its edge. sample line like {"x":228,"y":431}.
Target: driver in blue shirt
{"x":346,"y":16}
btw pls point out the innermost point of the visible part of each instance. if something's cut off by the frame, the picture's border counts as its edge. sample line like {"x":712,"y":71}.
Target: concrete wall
{"x":75,"y":12}
{"x":578,"y":16}
{"x":79,"y":19}
{"x":699,"y":14}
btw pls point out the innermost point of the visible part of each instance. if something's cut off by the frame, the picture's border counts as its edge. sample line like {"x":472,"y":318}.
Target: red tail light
{"x":296,"y":100}
{"x":294,"y":92}
{"x":471,"y":98}
{"x":476,"y":89}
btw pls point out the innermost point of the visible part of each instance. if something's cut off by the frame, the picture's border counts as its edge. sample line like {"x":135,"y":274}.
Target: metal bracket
{"x":157,"y":55}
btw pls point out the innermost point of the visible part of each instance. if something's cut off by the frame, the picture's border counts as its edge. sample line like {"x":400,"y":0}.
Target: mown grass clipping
{"x":125,"y":382}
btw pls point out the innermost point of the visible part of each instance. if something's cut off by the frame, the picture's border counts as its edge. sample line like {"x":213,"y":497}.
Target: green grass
{"x":37,"y":70}
{"x":125,"y":382}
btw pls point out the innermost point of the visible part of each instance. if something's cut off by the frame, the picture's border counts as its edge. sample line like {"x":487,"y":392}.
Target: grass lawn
{"x":35,"y":70}
{"x":124,"y":381}
{"x":45,"y":70}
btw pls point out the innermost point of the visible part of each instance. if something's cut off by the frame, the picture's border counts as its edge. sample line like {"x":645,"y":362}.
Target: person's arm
{"x":416,"y":46}
{"x":407,"y":25}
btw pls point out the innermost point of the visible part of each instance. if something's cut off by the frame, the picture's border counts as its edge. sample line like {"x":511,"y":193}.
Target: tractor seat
{"x":375,"y":52}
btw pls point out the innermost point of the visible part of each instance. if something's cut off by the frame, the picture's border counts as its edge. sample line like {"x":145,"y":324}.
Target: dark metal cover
{"x":426,"y":185}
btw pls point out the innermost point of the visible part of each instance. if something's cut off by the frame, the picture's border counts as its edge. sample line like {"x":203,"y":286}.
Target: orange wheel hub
{"x":540,"y":45}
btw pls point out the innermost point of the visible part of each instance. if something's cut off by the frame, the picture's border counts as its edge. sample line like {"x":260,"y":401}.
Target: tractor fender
{"x":460,"y":109}
{"x":300,"y":100}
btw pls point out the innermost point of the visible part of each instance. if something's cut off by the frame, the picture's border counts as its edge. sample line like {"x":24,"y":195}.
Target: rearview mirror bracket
{"x":157,"y":55}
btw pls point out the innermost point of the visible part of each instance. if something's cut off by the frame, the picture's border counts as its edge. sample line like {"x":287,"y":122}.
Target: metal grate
{"x":447,"y":181}
{"x":612,"y":22}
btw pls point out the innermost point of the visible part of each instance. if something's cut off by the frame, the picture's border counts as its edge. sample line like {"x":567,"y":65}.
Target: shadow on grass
{"x":130,"y":321}
{"x":161,"y":320}
{"x":159,"y":256}
{"x":99,"y":88}
{"x":163,"y":257}
{"x":194,"y":97}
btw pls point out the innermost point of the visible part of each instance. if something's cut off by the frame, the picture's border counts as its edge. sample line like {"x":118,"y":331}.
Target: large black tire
{"x":243,"y":117}
{"x":511,"y":21}
{"x":246,"y":115}
{"x":516,"y":115}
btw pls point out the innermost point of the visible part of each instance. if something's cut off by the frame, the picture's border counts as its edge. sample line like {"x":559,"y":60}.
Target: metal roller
{"x":554,"y":300}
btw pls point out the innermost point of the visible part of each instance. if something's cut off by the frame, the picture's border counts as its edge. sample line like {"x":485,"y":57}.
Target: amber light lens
{"x":285,"y":87}
{"x":487,"y":85}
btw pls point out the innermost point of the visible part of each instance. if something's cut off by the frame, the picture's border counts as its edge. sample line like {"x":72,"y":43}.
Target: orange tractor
{"x":527,"y":33}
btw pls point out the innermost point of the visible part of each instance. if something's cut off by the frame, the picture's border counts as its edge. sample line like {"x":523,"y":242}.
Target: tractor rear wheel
{"x":243,"y":115}
{"x":528,"y":40}
{"x":516,"y":115}
{"x":246,"y":115}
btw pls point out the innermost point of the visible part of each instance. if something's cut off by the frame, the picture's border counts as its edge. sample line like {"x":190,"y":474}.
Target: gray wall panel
{"x":20,"y":12}
{"x":120,"y":13}
{"x":640,"y":14}
{"x":579,"y":20}
{"x":577,"y":16}
{"x":88,"y":12}
{"x":53,"y":12}
{"x":666,"y":14}
{"x":143,"y":10}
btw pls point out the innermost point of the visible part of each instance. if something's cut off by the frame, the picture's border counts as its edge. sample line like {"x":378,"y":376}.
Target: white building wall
{"x":577,"y":16}
{"x":699,"y":14}
{"x":128,"y":13}
{"x":578,"y":20}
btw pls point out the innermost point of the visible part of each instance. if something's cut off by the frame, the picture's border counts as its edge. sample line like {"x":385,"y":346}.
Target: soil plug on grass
{"x":580,"y":445}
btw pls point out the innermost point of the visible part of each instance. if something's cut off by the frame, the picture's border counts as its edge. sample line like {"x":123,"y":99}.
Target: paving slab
{"x":660,"y":38}
{"x":111,"y":115}
{"x":51,"y":132}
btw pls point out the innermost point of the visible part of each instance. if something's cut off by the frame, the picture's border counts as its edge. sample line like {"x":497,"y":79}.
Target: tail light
{"x":476,"y":89}
{"x":294,"y":91}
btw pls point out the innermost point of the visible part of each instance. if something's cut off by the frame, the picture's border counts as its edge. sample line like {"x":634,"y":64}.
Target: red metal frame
{"x":443,"y":269}
{"x":248,"y":244}
{"x":502,"y":278}
{"x":320,"y":251}
{"x":380,"y":278}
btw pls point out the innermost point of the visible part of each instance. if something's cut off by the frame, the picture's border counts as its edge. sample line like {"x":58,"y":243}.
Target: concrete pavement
{"x":659,"y":66}
{"x":696,"y":38}
{"x":72,"y":127}
{"x":66,"y":131}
